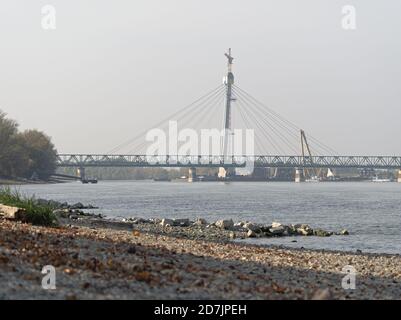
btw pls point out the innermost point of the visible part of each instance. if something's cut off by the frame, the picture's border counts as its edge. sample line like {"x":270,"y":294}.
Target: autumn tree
{"x":40,"y":151}
{"x":23,"y":154}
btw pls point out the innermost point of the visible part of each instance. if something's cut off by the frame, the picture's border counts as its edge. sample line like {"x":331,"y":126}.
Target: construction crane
{"x":307,"y":161}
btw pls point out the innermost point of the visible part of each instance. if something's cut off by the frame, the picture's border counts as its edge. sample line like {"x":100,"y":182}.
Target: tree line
{"x":25,"y":154}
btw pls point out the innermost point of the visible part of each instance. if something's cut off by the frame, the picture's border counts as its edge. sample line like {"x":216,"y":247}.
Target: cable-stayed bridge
{"x":230,"y":111}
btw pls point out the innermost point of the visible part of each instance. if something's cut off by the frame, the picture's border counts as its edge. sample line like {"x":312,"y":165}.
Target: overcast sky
{"x":114,"y":68}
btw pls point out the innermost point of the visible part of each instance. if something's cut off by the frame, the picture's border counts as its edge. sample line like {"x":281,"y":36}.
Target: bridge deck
{"x":261,"y":161}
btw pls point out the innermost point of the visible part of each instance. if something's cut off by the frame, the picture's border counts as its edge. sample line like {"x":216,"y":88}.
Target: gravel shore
{"x":101,"y":259}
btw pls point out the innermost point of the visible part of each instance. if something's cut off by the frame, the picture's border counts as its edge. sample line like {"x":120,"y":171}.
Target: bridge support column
{"x":299,"y":175}
{"x":81,"y":173}
{"x":399,"y":176}
{"x":192,"y":174}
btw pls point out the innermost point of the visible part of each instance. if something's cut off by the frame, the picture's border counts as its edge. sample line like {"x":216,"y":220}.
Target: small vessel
{"x":91,"y":180}
{"x":377,"y":179}
{"x":162,"y":179}
{"x":313,"y":179}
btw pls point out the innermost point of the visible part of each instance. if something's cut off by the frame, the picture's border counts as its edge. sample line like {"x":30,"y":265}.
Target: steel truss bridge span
{"x":209,"y":161}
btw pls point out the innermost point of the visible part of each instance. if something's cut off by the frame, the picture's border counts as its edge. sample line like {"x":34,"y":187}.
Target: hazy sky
{"x":114,"y":68}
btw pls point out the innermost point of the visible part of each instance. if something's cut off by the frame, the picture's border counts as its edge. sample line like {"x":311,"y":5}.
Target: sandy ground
{"x":124,"y":261}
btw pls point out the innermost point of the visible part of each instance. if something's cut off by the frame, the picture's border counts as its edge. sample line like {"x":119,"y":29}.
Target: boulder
{"x":265,"y":228}
{"x":277,"y":231}
{"x":61,"y":213}
{"x":225,"y":224}
{"x":138,"y":220}
{"x":251,"y":226}
{"x":344,"y":232}
{"x":276,"y":224}
{"x":181,"y":222}
{"x":77,"y":205}
{"x":200,"y":222}
{"x":321,"y":233}
{"x":303,"y":229}
{"x":251,"y":234}
{"x":240,"y":224}
{"x":167,"y":222}
{"x":10,"y":212}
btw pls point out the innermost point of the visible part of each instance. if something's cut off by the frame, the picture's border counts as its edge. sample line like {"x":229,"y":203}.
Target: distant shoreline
{"x":13,"y":182}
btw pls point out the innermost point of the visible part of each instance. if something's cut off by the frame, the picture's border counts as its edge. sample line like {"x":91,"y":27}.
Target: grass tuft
{"x":36,"y":214}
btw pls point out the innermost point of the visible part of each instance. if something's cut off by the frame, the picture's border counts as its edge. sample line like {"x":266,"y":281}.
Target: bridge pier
{"x":399,"y":176}
{"x":299,"y":175}
{"x":191,"y":174}
{"x":81,"y":173}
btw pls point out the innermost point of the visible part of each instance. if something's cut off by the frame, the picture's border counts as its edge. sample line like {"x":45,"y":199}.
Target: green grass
{"x":35,"y":214}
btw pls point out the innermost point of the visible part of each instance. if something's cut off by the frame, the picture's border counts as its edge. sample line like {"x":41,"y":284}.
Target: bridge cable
{"x":274,"y":114}
{"x":188,"y":107}
{"x":195,"y":117}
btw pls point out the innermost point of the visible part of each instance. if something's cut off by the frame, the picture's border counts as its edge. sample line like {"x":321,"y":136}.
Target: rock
{"x":77,"y":205}
{"x":61,"y":213}
{"x":344,"y":232}
{"x":276,"y":225}
{"x":225,"y":224}
{"x":137,"y":220}
{"x":303,"y":229}
{"x":200,"y":222}
{"x":181,"y":222}
{"x":265,"y":228}
{"x":251,"y":226}
{"x":251,"y":234}
{"x":155,"y":220}
{"x":9,"y":212}
{"x":232,"y":235}
{"x":321,"y":233}
{"x":167,"y":222}
{"x":277,"y":231}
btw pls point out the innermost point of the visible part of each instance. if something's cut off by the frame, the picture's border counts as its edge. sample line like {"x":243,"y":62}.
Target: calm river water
{"x":370,"y":211}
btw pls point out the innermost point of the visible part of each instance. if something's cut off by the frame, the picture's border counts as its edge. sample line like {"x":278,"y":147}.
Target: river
{"x":370,"y":211}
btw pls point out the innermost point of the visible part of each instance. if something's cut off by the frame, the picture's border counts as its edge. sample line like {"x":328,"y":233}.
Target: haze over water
{"x":370,"y":211}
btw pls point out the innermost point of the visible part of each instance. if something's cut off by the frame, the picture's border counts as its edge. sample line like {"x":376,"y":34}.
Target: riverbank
{"x":12,"y":182}
{"x":99,"y":259}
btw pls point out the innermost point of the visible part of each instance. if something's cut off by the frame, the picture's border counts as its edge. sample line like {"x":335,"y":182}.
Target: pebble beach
{"x":97,"y":258}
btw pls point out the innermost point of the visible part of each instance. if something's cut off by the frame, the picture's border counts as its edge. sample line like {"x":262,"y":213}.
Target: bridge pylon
{"x":228,"y":146}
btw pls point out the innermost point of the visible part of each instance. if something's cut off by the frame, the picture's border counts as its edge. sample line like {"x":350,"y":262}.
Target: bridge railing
{"x":99,"y":160}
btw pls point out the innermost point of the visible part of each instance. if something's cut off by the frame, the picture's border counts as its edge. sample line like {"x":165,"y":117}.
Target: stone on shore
{"x":175,"y":222}
{"x":304,"y":229}
{"x":77,"y":205}
{"x":321,"y":233}
{"x":277,"y":231}
{"x":251,"y":226}
{"x":344,"y":232}
{"x":10,"y":212}
{"x":276,"y":224}
{"x":200,"y":222}
{"x":167,"y":223}
{"x":251,"y":234}
{"x":225,"y":224}
{"x":181,"y":222}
